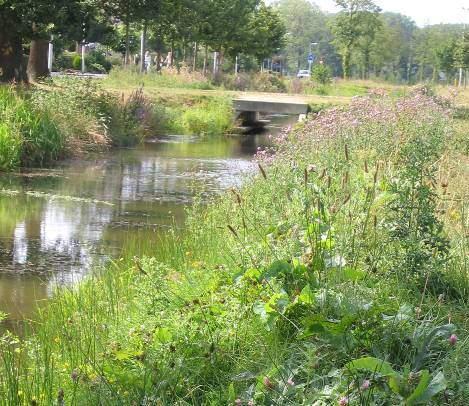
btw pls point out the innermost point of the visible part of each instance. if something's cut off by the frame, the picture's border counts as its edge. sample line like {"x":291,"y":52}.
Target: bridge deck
{"x":267,"y":104}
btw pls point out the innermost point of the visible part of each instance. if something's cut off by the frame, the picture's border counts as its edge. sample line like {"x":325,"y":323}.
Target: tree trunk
{"x":194,"y":62}
{"x":11,"y":55}
{"x":366,"y":68}
{"x":172,"y":53}
{"x":127,"y":43}
{"x":37,"y":63}
{"x":205,"y":60}
{"x":346,"y":63}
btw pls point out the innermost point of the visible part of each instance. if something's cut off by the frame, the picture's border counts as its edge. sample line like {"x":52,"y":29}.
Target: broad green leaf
{"x":306,"y":296}
{"x":163,"y":335}
{"x":277,"y":268}
{"x":420,"y":389}
{"x":244,"y":376}
{"x":373,"y":365}
{"x":395,"y":383}
{"x":437,"y":385}
{"x":231,"y":393}
{"x":405,"y":313}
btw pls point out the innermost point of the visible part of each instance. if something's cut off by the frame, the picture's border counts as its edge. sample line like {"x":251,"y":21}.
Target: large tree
{"x":22,"y":21}
{"x":350,"y":26}
{"x":305,"y":24}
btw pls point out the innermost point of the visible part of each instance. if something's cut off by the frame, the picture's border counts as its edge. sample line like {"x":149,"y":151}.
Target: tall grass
{"x":169,"y":78}
{"x":69,"y":117}
{"x":28,"y":134}
{"x":300,"y":288}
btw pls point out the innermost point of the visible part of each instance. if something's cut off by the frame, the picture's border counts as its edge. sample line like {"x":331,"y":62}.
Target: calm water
{"x":56,"y":224}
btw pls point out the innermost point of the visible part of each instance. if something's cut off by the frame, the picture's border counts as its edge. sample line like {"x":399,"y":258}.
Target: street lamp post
{"x":310,"y":60}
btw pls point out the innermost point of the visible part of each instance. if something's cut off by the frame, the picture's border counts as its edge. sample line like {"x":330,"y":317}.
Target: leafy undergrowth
{"x":337,"y":276}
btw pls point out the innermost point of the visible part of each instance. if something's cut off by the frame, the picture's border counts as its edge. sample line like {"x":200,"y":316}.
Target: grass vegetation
{"x":68,"y":116}
{"x":170,"y":78}
{"x":65,"y":117}
{"x":338,"y":275}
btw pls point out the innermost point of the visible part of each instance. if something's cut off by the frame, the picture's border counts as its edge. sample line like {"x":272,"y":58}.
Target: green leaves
{"x":271,"y":310}
{"x":426,"y":387}
{"x":371,"y":364}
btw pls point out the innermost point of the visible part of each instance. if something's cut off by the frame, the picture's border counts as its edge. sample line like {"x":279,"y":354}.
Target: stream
{"x":57,"y":224}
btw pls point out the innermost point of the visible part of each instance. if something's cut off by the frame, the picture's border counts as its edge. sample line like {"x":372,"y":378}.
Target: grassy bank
{"x":338,"y":275}
{"x":68,"y":117}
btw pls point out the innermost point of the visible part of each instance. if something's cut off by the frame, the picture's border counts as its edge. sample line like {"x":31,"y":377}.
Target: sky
{"x":423,"y":12}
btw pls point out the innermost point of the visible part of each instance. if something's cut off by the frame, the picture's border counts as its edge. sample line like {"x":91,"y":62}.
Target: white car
{"x":303,"y":74}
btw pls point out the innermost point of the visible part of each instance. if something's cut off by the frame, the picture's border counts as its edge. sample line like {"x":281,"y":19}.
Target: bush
{"x":259,"y":82}
{"x":65,"y":61}
{"x":96,"y":62}
{"x":321,"y":74}
{"x":213,"y":118}
{"x":76,"y":63}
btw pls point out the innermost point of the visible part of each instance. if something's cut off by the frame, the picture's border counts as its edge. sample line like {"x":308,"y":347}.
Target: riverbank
{"x":69,"y":117}
{"x":337,"y":276}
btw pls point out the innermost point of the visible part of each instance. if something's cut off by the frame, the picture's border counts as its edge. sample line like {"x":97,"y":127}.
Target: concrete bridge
{"x":248,"y":107}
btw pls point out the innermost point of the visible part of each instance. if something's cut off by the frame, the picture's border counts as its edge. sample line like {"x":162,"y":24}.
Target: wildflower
{"x":453,"y":339}
{"x":238,"y":402}
{"x":290,"y":382}
{"x":365,"y":384}
{"x":268,"y":382}
{"x":74,"y":376}
{"x":343,"y":401}
{"x":251,"y":403}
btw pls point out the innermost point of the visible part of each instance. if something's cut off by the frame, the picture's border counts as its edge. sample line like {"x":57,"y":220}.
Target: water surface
{"x":56,"y":224}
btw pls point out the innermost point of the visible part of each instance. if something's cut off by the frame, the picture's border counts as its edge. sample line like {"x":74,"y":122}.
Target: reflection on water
{"x":87,"y":209}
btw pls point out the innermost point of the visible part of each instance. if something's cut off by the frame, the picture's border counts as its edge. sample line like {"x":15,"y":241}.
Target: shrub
{"x":321,"y":74}
{"x":65,"y":61}
{"x":213,"y":118}
{"x":76,"y":63}
{"x":96,"y":62}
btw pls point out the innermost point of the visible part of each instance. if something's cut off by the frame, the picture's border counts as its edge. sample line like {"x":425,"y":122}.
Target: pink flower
{"x":267,"y":382}
{"x":238,"y":402}
{"x":453,"y":339}
{"x":365,"y":384}
{"x":290,"y":382}
{"x":343,"y":401}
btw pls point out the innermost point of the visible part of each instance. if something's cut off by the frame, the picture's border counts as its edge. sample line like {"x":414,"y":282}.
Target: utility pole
{"x":83,"y":65}
{"x":50,"y":55}
{"x":142,"y":48}
{"x":310,"y":59}
{"x":463,"y":41}
{"x":215,"y":54}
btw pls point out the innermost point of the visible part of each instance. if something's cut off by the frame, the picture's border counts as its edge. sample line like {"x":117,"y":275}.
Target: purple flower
{"x":343,"y":401}
{"x":453,"y":339}
{"x":267,"y":382}
{"x":365,"y":384}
